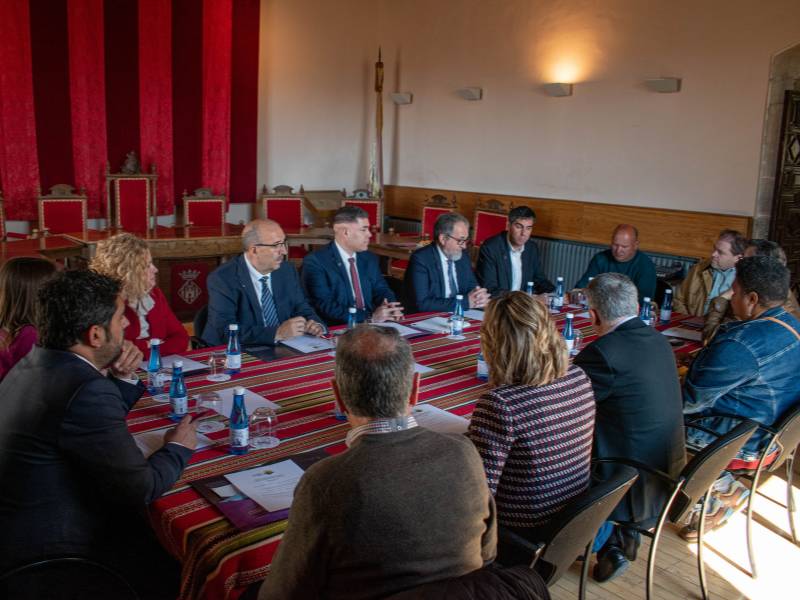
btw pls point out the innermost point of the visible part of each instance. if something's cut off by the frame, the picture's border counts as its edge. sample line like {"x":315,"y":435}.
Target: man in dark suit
{"x":509,"y":260}
{"x":442,"y":269}
{"x":344,"y":274}
{"x":259,"y":291}
{"x":639,"y":408}
{"x":73,"y":479}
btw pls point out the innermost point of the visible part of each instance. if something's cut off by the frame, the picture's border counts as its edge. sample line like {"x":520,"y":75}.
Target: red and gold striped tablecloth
{"x":218,"y":561}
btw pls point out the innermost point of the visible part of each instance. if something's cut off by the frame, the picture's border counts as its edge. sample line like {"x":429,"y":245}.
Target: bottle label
{"x":179,"y":405}
{"x":456,"y":325}
{"x":570,"y":343}
{"x":233,"y":361}
{"x":240,"y":437}
{"x":666,"y":314}
{"x":155,"y":379}
{"x":483,"y":370}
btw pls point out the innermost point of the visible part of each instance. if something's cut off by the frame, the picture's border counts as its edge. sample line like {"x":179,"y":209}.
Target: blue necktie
{"x":451,"y":275}
{"x":268,"y":309}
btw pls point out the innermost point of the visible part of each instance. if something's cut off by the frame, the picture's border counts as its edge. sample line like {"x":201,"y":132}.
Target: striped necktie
{"x":451,"y":276}
{"x":268,"y":310}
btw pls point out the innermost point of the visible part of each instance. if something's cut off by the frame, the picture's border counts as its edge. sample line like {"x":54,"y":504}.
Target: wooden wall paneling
{"x":679,"y":232}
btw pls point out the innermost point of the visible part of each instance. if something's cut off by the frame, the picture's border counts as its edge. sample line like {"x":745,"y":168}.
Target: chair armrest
{"x":636,"y":465}
{"x":514,"y":539}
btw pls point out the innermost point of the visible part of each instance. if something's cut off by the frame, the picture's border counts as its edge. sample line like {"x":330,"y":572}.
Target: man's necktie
{"x":356,"y":284}
{"x":451,"y":276}
{"x":268,"y":309}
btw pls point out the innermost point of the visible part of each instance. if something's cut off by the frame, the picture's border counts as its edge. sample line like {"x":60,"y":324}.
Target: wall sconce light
{"x":471,"y":93}
{"x":664,"y":85}
{"x":402,"y":98}
{"x":558,"y":89}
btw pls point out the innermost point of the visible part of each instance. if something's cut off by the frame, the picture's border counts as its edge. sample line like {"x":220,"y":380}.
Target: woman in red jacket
{"x":127,"y":258}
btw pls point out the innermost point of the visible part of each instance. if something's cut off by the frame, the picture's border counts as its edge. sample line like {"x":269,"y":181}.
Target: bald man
{"x":624,"y":257}
{"x":260,"y":291}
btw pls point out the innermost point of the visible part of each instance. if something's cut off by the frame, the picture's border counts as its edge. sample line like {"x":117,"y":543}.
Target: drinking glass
{"x":216,"y":367}
{"x":206,"y":402}
{"x":454,"y":323}
{"x":262,"y":428}
{"x":161,"y":382}
{"x":578,"y":343}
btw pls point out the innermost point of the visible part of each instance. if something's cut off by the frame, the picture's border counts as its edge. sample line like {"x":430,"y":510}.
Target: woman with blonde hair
{"x":127,"y":258}
{"x":20,"y":280}
{"x":534,"y":429}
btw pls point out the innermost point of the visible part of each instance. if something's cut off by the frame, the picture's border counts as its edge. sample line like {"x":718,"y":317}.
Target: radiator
{"x":402,"y":225}
{"x":570,"y":259}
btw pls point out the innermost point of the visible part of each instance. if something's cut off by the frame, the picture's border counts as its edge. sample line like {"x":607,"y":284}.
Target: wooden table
{"x":219,"y":561}
{"x":54,"y":247}
{"x":394,"y":246}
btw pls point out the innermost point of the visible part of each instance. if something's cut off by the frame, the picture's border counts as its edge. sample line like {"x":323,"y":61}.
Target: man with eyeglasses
{"x":442,"y":269}
{"x":260,"y":291}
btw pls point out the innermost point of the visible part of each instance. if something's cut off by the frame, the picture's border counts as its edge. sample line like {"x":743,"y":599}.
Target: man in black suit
{"x":639,"y":408}
{"x":509,"y":260}
{"x":73,"y":479}
{"x":259,"y":291}
{"x":344,"y":274}
{"x":439,"y":271}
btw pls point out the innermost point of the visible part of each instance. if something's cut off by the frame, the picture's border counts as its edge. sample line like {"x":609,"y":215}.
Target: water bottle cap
{"x":154,"y":342}
{"x":667,"y":291}
{"x":590,"y":278}
{"x":352,"y":310}
{"x":459,"y":297}
{"x":530,"y":283}
{"x":559,"y":279}
{"x":570,"y":316}
{"x":233,"y":327}
{"x":238,"y":391}
{"x":177,"y":364}
{"x":646,"y":299}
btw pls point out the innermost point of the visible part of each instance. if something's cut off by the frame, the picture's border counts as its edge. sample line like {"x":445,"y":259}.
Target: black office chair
{"x":785,"y":434}
{"x":574,"y":528}
{"x":199,"y":323}
{"x":65,"y":578}
{"x":692,"y":485}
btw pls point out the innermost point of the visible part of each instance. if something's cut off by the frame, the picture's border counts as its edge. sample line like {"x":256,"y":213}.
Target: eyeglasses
{"x":276,"y":245}
{"x":461,"y":242}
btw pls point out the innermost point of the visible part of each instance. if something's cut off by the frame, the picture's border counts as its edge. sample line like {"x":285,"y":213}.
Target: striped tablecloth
{"x":219,"y":561}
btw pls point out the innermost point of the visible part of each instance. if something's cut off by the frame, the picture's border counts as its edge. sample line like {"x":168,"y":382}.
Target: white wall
{"x":612,"y":141}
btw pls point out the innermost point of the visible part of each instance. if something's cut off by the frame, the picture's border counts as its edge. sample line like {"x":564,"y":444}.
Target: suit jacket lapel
{"x":437,"y":261}
{"x":366,"y":286}
{"x":341,"y":268}
{"x":246,"y":284}
{"x":527,"y":264}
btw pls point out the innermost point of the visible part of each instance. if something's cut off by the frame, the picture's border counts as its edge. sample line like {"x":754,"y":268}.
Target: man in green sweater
{"x":403,"y":506}
{"x":624,"y":257}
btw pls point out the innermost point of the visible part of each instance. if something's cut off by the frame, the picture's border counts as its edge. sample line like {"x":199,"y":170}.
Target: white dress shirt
{"x":516,"y":267}
{"x":255,"y":277}
{"x":346,"y":260}
{"x":444,"y":259}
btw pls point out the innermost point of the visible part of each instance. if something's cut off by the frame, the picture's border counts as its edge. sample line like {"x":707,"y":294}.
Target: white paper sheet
{"x":252,"y":401}
{"x":437,"y":325}
{"x":418,"y":368}
{"x":270,"y":486}
{"x":189,"y":365}
{"x":683,"y":333}
{"x":436,"y":419}
{"x":474,"y":313}
{"x":225,"y":491}
{"x":150,"y":441}
{"x":308,"y":343}
{"x":401,"y":329}
{"x":583,"y":315}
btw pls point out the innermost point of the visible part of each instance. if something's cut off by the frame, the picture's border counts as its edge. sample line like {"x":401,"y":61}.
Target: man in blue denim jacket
{"x":751,"y":366}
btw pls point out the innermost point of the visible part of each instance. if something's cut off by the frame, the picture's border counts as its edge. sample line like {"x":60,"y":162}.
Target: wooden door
{"x":785,"y":223}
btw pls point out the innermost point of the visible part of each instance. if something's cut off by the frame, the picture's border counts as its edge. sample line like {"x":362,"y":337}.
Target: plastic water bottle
{"x":457,"y":319}
{"x":240,"y":424}
{"x":646,"y":313}
{"x":529,"y":288}
{"x":178,"y":399}
{"x":351,"y":317}
{"x":233,"y":353}
{"x":154,"y":383}
{"x":483,"y":368}
{"x":568,"y":333}
{"x":666,"y":307}
{"x":558,"y":299}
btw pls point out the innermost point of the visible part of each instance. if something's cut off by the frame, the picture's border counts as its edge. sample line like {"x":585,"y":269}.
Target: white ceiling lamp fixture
{"x":664,"y":85}
{"x":558,"y":90}
{"x":471,"y":93}
{"x":402,"y":98}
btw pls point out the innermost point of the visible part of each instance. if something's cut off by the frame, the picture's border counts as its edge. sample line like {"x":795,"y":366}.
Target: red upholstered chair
{"x":490,"y":218}
{"x":372,"y":206}
{"x":62,"y":210}
{"x":436,"y":206}
{"x":131,"y":198}
{"x":203,"y":209}
{"x":285,"y":207}
{"x":5,"y":235}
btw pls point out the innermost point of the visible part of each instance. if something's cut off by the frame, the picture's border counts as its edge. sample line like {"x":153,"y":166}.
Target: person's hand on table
{"x":291,"y":328}
{"x":184,"y":433}
{"x":314,"y":328}
{"x":478,"y":298}
{"x":129,"y":359}
{"x":388,"y":311}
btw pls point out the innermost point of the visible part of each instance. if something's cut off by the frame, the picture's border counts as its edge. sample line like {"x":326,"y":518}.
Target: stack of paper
{"x":308,"y":343}
{"x":436,"y":325}
{"x":271,"y":486}
{"x":684,"y":333}
{"x":401,"y":329}
{"x":436,"y":419}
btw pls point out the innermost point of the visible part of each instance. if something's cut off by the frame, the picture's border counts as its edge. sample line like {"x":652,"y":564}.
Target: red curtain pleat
{"x":216,"y":124}
{"x":244,"y":101}
{"x":155,"y":95}
{"x":87,"y":94}
{"x":19,"y":165}
{"x":51,"y":91}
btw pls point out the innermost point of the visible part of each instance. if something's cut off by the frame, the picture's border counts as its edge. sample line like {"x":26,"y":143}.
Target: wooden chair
{"x":203,"y":208}
{"x":436,"y":206}
{"x":372,"y":206}
{"x":491,"y":217}
{"x":62,"y":210}
{"x":285,"y":207}
{"x":131,"y":199}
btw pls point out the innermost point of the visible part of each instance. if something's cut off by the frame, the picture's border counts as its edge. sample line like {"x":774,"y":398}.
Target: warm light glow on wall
{"x":566,"y":70}
{"x":572,"y":53}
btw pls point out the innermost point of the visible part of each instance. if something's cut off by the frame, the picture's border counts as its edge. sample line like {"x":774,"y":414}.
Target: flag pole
{"x":379,"y":126}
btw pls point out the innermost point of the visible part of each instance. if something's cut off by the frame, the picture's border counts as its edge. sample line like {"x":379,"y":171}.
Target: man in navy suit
{"x":440,"y":270}
{"x":509,"y":260}
{"x":343,"y":274}
{"x":259,"y":291}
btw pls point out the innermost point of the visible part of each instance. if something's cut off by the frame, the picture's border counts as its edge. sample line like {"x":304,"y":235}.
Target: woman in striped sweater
{"x":534,"y":429}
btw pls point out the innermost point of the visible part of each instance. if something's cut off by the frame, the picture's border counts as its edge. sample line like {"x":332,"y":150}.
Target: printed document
{"x":189,"y":365}
{"x":401,"y":329}
{"x":150,"y":441}
{"x":683,"y":333}
{"x":252,"y":401}
{"x":308,"y":343}
{"x":271,"y":486}
{"x":436,"y":419}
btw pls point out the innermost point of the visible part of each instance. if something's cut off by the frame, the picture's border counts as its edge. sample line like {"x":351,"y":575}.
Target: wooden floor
{"x":725,"y":556}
